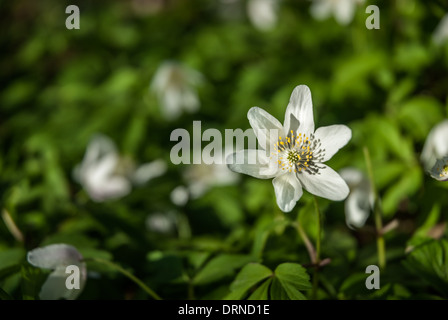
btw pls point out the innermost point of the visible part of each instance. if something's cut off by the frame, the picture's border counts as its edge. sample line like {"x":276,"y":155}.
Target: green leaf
{"x":388,"y":172}
{"x":262,"y":291}
{"x":32,"y":280}
{"x":277,"y":292}
{"x":11,"y":257}
{"x":220,"y":267}
{"x":401,"y":90}
{"x":4,"y":295}
{"x":421,"y":234}
{"x":418,"y":115}
{"x":293,"y":277}
{"x":9,"y":271}
{"x":393,"y":139}
{"x":248,"y":277}
{"x":262,"y":233}
{"x":429,"y":262}
{"x":408,"y":185}
{"x":353,"y":286}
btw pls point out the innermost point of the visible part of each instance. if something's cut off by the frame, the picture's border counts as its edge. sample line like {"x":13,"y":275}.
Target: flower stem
{"x":319,"y":230}
{"x":306,"y":241}
{"x":377,"y":213}
{"x":317,"y":257}
{"x":127,"y":274}
{"x":12,"y":227}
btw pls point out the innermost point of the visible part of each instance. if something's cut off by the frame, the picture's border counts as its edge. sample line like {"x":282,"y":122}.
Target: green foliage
{"x":219,"y":267}
{"x":429,"y":261}
{"x":60,"y":87}
{"x":286,"y":282}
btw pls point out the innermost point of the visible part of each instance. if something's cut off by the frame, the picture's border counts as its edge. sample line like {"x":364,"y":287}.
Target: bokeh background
{"x":60,"y":88}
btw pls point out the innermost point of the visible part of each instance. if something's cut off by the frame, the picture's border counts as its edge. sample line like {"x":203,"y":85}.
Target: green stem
{"x":127,"y":274}
{"x":377,"y":213}
{"x":319,"y":229}
{"x":190,"y":290}
{"x":306,"y":241}
{"x":317,"y":258}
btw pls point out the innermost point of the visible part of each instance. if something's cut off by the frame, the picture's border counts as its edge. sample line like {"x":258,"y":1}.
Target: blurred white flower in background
{"x":106,"y":175}
{"x":179,"y":196}
{"x":148,"y":7}
{"x":202,"y":177}
{"x":169,"y":223}
{"x":58,"y":257}
{"x":360,"y":201}
{"x":342,"y":10}
{"x":175,"y":87}
{"x":263,"y":13}
{"x":436,"y":145}
{"x":440,"y":170}
{"x":162,"y":223}
{"x":440,"y":34}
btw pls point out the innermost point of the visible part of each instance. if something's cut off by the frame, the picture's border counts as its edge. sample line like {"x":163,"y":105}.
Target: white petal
{"x":440,"y":35}
{"x":112,"y":188}
{"x":179,"y":196}
{"x":161,"y":222}
{"x":320,"y":9}
{"x":301,"y":106}
{"x":198,"y":188}
{"x":440,"y":170}
{"x":171,"y":101}
{"x":287,"y":191}
{"x":105,"y":167}
{"x":222,"y":176}
{"x":262,"y":13}
{"x":190,"y":100}
{"x":58,"y":257}
{"x":51,"y":256}
{"x":54,"y":288}
{"x":265,"y":126}
{"x":333,"y":138}
{"x":149,"y":171}
{"x":344,"y":11}
{"x":99,"y":146}
{"x":250,"y":162}
{"x":352,"y":176}
{"x":162,"y":76}
{"x":357,"y":208}
{"x":436,"y":145}
{"x":441,"y":139}
{"x":326,"y":184}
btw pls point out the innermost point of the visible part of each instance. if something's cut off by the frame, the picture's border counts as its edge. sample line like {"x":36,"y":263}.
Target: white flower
{"x":342,"y":10}
{"x":202,"y":177}
{"x":179,"y":196}
{"x":57,"y":257}
{"x":360,"y":200}
{"x":436,"y":145}
{"x":262,"y":13}
{"x":162,"y":223}
{"x":147,"y":7}
{"x":105,"y":175}
{"x":440,"y":170}
{"x":440,"y":35}
{"x":174,"y":85}
{"x":295,"y":153}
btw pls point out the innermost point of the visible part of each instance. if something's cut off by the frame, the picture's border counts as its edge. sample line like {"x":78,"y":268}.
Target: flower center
{"x":299,"y":153}
{"x":444,"y":171}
